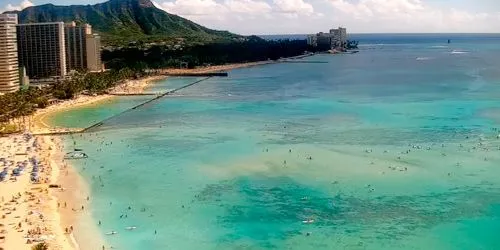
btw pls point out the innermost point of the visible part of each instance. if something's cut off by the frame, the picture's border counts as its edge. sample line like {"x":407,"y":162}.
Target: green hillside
{"x":125,"y":20}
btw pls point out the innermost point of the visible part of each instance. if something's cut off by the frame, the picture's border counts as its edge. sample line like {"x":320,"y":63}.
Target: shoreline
{"x":73,"y":186}
{"x":217,"y":68}
{"x":73,"y":192}
{"x":39,"y":124}
{"x":75,"y":202}
{"x":37,"y":207}
{"x":31,"y":215}
{"x":138,"y":86}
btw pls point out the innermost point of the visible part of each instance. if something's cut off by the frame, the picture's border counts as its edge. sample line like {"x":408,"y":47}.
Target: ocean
{"x":395,"y":147}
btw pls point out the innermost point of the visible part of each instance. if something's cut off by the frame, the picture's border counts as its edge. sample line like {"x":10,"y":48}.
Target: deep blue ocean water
{"x":395,"y":147}
{"x":405,"y":38}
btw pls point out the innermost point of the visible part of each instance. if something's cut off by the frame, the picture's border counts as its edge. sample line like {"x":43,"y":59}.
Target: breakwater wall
{"x":96,"y":125}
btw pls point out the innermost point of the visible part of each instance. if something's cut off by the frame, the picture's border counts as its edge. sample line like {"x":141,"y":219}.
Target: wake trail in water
{"x":458,"y":52}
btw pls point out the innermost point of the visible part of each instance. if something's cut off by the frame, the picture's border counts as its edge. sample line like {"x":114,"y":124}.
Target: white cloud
{"x":192,"y":7}
{"x":409,"y":16}
{"x":247,"y":6}
{"x":24,"y":4}
{"x":297,"y":7}
{"x":236,"y":10}
{"x":301,"y":16}
{"x":214,"y":10}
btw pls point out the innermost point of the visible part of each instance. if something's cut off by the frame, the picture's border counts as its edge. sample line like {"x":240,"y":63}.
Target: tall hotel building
{"x":94,"y":62}
{"x":9,"y":72}
{"x":41,"y":49}
{"x":83,"y":49}
{"x":76,"y":45}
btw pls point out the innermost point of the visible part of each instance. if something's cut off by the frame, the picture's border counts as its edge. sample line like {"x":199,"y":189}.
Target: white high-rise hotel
{"x":44,"y":51}
{"x":336,"y":38}
{"x":9,"y":71}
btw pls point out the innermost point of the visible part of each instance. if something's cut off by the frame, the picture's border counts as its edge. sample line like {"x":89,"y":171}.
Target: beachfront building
{"x":9,"y":71}
{"x":320,"y":40}
{"x":41,"y":49}
{"x":336,"y":38}
{"x":75,"y":39}
{"x":83,"y":48}
{"x":312,"y":40}
{"x":24,"y":80}
{"x":339,"y":37}
{"x":94,"y":62}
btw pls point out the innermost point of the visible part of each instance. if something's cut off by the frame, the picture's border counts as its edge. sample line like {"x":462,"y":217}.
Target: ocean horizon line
{"x":389,"y":33}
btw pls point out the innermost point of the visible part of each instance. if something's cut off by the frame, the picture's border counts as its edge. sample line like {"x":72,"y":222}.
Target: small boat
{"x":76,"y":155}
{"x":130,"y":228}
{"x":111,"y":233}
{"x":78,"y":149}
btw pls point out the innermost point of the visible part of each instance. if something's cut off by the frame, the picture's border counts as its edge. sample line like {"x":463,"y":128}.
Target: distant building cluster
{"x":44,"y":51}
{"x":336,"y":38}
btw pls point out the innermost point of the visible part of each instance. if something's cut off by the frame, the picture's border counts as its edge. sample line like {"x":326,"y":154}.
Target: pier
{"x":302,"y":61}
{"x":169,"y":93}
{"x":133,"y":94}
{"x":159,"y":96}
{"x":207,"y":74}
{"x":70,"y":131}
{"x":66,"y":131}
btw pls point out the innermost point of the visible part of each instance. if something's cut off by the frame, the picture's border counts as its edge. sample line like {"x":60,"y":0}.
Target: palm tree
{"x":40,"y":246}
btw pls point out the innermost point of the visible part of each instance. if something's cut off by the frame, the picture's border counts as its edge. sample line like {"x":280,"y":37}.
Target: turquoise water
{"x":392,"y":148}
{"x":88,"y":115}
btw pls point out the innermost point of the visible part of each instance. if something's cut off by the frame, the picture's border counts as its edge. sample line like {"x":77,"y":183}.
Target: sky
{"x":310,"y":16}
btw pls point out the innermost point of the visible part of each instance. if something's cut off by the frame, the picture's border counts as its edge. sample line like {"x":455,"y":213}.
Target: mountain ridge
{"x":125,"y":20}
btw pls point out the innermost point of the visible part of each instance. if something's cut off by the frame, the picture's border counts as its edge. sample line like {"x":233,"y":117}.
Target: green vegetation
{"x":351,"y":45}
{"x":40,"y":246}
{"x":18,"y":104}
{"x":92,"y":83}
{"x":162,"y":56}
{"x":25,"y":102}
{"x":134,"y":62}
{"x":122,"y":21}
{"x":6,"y":129}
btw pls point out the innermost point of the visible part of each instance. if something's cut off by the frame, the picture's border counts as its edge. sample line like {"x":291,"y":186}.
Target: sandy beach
{"x":46,"y":208}
{"x":29,"y":207}
{"x":40,"y":124}
{"x":135,"y":86}
{"x":32,"y":211}
{"x":216,"y":68}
